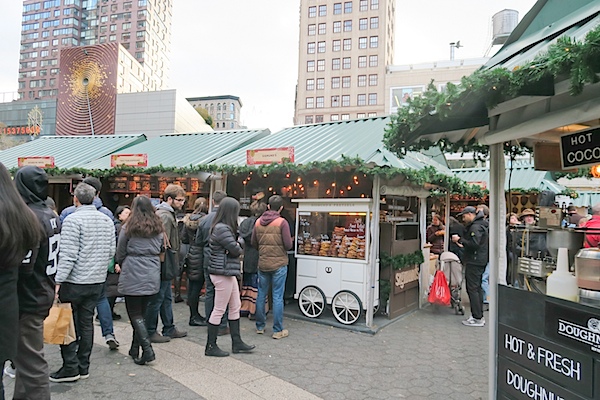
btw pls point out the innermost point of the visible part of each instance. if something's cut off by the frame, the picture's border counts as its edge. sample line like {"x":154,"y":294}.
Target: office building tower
{"x":224,"y":110}
{"x":143,"y":27}
{"x":344,"y":49}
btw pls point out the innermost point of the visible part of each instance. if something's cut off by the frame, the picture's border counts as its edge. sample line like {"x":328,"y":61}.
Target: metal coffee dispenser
{"x":587,"y":271}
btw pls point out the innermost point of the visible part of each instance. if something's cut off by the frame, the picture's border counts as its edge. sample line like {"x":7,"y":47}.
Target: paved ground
{"x":428,"y":354}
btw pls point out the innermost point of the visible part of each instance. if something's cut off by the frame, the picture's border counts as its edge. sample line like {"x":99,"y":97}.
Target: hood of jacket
{"x":97,"y":203}
{"x":165,"y":206}
{"x":268,"y":217}
{"x":247,"y":226}
{"x":32,"y":184}
{"x":191,"y":220}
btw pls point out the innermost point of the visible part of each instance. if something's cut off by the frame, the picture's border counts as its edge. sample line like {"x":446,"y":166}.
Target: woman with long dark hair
{"x":112,"y":279}
{"x":138,"y":253}
{"x":20,"y":232}
{"x":225,"y":269}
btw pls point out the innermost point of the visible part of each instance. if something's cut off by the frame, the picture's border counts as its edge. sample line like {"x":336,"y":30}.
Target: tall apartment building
{"x":345,"y":47}
{"x":143,"y":27}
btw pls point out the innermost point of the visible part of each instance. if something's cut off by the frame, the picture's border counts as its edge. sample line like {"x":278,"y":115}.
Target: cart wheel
{"x":346,"y":307}
{"x":311,"y":301}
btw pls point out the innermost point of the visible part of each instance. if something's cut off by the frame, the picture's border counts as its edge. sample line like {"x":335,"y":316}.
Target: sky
{"x":249,"y":48}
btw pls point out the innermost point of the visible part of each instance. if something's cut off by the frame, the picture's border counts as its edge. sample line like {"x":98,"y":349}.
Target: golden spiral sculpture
{"x":87,"y":73}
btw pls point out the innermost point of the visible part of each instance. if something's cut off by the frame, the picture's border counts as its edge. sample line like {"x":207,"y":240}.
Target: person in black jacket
{"x":35,"y":288}
{"x":225,"y":269}
{"x":475,"y":257}
{"x":456,"y":228}
{"x":194,"y":260}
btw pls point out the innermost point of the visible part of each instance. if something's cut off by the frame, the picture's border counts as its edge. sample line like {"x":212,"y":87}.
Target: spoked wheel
{"x":311,"y":301}
{"x":346,"y":307}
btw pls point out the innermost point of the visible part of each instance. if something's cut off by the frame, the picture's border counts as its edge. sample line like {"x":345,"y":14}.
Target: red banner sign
{"x":277,"y":155}
{"x":42,"y":162}
{"x":131,"y":160}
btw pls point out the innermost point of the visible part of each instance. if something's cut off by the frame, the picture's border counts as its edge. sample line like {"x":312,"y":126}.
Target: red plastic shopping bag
{"x":440,"y":292}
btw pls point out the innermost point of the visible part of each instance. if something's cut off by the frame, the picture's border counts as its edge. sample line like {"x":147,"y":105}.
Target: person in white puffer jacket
{"x":88,"y":244}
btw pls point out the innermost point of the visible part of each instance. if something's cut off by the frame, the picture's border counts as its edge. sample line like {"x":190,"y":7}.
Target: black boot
{"x":236,"y":339}
{"x":177,"y":284}
{"x":144,"y":341}
{"x":212,"y":350}
{"x":134,"y":351}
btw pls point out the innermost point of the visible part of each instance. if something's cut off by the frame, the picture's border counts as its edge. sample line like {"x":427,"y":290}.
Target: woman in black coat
{"x":20,"y":232}
{"x":225,"y":269}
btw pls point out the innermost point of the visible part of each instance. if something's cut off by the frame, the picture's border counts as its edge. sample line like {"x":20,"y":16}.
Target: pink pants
{"x":226,"y":292}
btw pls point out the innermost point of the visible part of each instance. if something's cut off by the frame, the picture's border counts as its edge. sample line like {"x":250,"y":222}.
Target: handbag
{"x":169,"y":264}
{"x":440,"y":292}
{"x":59,"y":327}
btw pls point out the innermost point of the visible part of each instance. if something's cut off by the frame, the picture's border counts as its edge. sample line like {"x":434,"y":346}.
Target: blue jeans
{"x":161,"y":302}
{"x":276,"y":280}
{"x":105,"y":315}
{"x":485,"y":283}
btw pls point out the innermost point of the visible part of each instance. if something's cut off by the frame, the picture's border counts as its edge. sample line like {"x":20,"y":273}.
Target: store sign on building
{"x":42,"y":162}
{"x":580,"y":149}
{"x":130,"y":160}
{"x":277,"y":155}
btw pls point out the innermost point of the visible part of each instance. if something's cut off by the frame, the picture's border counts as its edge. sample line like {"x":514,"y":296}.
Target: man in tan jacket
{"x":272,"y":237}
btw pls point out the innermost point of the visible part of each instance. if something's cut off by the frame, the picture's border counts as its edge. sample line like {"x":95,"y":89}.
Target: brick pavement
{"x":428,"y":354}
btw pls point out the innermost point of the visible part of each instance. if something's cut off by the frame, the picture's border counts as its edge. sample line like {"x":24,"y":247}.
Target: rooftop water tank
{"x":503,"y":23}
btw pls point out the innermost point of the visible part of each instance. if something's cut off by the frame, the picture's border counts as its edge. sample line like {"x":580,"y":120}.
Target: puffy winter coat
{"x":195,"y":255}
{"x":250,"y":253}
{"x":476,"y":242}
{"x":272,"y":237}
{"x":140,"y":264}
{"x":225,"y":252}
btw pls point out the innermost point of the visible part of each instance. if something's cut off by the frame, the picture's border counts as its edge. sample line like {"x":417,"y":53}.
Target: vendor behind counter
{"x":528,"y":241}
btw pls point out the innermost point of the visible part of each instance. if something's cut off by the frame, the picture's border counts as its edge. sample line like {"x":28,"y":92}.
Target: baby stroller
{"x":452,"y":268}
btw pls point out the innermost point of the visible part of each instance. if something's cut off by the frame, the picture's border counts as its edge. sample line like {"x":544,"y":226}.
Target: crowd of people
{"x":88,"y":257}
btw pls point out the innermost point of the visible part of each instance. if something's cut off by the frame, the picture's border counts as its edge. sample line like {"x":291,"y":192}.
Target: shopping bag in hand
{"x":440,"y":292}
{"x":59,"y":327}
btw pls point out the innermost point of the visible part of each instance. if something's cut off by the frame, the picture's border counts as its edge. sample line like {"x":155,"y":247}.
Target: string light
{"x":316,"y":182}
{"x":299,"y":179}
{"x":349,"y":187}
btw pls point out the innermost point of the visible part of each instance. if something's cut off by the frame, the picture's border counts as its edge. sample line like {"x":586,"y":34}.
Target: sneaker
{"x":474,"y":322}
{"x":10,"y":371}
{"x":281,"y":335}
{"x":84,"y":374}
{"x":158,"y":338}
{"x":260,"y":331}
{"x":60,"y":376}
{"x":111,"y":341}
{"x":176,"y":334}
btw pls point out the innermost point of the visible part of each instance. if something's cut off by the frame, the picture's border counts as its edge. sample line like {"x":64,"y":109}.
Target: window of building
{"x":347,"y":44}
{"x":114,"y":7}
{"x":360,"y":115}
{"x":374,"y":4}
{"x":362,"y":43}
{"x":373,"y":80}
{"x":308,"y":119}
{"x":312,"y":12}
{"x":312,"y":29}
{"x":363,"y":24}
{"x":362,"y":61}
{"x":347,"y":7}
{"x":375,"y":23}
{"x":373,"y":61}
{"x":337,"y":26}
{"x":372,"y":114}
{"x":346,"y":63}
{"x":318,"y":118}
{"x":321,"y":47}
{"x":310,"y":102}
{"x":372,"y":99}
{"x":361,"y":100}
{"x":320,"y":65}
{"x":139,"y":45}
{"x":322,"y":10}
{"x":217,"y":124}
{"x":346,"y":81}
{"x":335,"y":101}
{"x":362,"y":80}
{"x":334,"y":117}
{"x":112,"y":38}
{"x":345,"y":117}
{"x":125,"y":36}
{"x":103,"y":19}
{"x":310,"y":66}
{"x":337,"y":8}
{"x":219,"y":108}
{"x":363,"y":5}
{"x":322,"y":29}
{"x":320,"y":83}
{"x":336,"y":46}
{"x":335,"y":63}
{"x":311,"y":48}
{"x":320,"y":102}
{"x":102,"y":39}
{"x":126,"y":25}
{"x":348,"y":25}
{"x":310,"y":84}
{"x":346,"y":100}
{"x":218,"y":115}
{"x":232,"y":107}
{"x":373,"y":42}
{"x":113,"y":27}
{"x":335,"y":82}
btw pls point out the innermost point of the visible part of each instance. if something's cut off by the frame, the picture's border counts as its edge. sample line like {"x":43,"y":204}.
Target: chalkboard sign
{"x":580,"y":149}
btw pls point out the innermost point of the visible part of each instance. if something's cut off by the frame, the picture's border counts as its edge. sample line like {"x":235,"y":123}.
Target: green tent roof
{"x":69,"y":151}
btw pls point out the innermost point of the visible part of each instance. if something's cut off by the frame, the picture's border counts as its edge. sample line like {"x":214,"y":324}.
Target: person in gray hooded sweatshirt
{"x":35,"y":288}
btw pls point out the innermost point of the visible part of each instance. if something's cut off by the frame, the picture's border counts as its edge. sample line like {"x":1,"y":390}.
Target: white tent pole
{"x":496,"y":201}
{"x":424,"y":270}
{"x":447,"y":219}
{"x":374,"y":254}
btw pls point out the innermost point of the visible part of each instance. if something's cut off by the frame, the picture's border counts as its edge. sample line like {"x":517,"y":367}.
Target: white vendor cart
{"x":332,"y":252}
